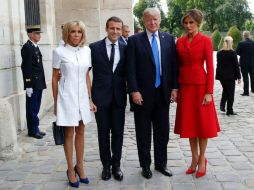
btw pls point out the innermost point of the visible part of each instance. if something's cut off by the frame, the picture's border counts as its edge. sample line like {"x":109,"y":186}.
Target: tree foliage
{"x":235,"y":34}
{"x":216,"y":38}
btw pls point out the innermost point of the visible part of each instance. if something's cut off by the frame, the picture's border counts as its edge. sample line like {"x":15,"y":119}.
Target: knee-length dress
{"x":72,"y":99}
{"x":196,"y":78}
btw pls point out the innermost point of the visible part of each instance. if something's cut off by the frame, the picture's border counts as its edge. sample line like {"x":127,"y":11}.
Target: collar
{"x":149,"y":34}
{"x":108,"y":42}
{"x":35,"y":45}
{"x":72,"y":47}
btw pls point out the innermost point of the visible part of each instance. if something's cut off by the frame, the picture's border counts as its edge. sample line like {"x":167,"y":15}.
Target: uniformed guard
{"x":34,"y":80}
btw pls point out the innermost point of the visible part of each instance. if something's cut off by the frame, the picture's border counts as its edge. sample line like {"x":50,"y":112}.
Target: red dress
{"x":192,"y":118}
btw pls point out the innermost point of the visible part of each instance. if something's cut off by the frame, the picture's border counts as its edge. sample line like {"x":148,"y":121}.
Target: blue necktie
{"x":156,"y":60}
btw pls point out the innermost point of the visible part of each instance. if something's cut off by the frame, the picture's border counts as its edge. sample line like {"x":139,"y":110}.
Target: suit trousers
{"x":228,"y":94}
{"x":245,"y":73}
{"x":33,"y":104}
{"x":155,"y":117}
{"x":110,"y":120}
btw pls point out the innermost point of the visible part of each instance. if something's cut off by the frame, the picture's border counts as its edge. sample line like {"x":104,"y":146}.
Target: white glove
{"x":29,"y":92}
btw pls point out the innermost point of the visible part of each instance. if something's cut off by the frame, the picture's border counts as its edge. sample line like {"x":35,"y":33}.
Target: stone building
{"x":52,"y":14}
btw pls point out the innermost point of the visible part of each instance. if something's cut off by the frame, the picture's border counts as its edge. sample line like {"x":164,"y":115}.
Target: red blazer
{"x":191,"y":59}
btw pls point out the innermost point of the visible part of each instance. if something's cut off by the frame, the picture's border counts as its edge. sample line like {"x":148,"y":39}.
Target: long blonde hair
{"x":228,"y":43}
{"x":67,"y":30}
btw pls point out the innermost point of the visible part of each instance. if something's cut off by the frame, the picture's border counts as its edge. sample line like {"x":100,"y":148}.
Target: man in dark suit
{"x":245,"y":50}
{"x":125,"y":34}
{"x":109,"y":95}
{"x":152,"y":79}
{"x":34,"y":80}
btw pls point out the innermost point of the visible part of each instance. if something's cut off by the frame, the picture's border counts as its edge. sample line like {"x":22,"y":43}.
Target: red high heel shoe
{"x":190,"y":171}
{"x":201,"y":174}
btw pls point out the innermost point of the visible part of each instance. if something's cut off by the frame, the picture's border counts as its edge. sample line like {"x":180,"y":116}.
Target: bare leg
{"x":202,"y":148}
{"x":194,"y":152}
{"x":79,"y":146}
{"x":68,"y":149}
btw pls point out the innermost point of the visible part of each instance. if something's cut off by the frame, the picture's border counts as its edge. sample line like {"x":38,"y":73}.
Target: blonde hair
{"x":228,"y":43}
{"x":152,"y":11}
{"x":67,"y":30}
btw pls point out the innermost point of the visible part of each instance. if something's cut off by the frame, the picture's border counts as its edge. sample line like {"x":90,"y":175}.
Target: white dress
{"x":72,"y":99}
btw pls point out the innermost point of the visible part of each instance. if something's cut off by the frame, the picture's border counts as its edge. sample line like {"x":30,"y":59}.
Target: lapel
{"x":121,"y":52}
{"x":103,"y":51}
{"x":147,"y":46}
{"x":162,"y":44}
{"x":194,"y":41}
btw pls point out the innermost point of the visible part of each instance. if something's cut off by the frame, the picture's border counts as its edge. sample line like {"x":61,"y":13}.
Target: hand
{"x":55,"y":108}
{"x":173,"y":96}
{"x":137,"y":98}
{"x":59,"y":75}
{"x":93,"y":107}
{"x":239,"y":81}
{"x":29,"y":92}
{"x":207,"y":99}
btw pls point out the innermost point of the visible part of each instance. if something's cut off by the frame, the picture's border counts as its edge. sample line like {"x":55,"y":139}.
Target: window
{"x":32,"y":13}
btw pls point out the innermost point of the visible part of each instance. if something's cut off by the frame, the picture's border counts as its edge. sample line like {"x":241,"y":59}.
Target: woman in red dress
{"x":196,"y":117}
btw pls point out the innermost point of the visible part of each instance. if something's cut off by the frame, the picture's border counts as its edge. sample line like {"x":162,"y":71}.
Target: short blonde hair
{"x":152,"y":11}
{"x":228,"y":43}
{"x":67,"y":30}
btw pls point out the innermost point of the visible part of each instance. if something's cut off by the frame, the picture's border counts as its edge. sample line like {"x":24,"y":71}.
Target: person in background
{"x":109,"y":95}
{"x":245,"y":50}
{"x":227,"y":72}
{"x":152,"y":82}
{"x":196,"y":116}
{"x":34,"y":80}
{"x":72,"y":95}
{"x":138,"y":30}
{"x":125,"y":34}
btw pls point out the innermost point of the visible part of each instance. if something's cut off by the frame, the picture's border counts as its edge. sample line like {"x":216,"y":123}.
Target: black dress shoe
{"x":37,"y":136}
{"x":163,"y":170}
{"x":42,"y":133}
{"x":245,"y":94}
{"x":147,"y":173}
{"x":117,"y":173}
{"x":231,"y":113}
{"x":106,"y":174}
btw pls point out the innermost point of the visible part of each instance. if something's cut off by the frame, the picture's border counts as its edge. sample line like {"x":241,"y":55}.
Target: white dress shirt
{"x":149,"y":35}
{"x":117,"y":52}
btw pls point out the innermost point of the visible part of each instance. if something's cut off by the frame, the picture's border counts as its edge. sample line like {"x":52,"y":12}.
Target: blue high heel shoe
{"x":82,"y":180}
{"x":75,"y":184}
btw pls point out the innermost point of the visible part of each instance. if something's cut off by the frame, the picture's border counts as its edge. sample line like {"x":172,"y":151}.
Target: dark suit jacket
{"x":141,"y":66}
{"x":227,"y":65}
{"x":122,"y":40}
{"x":106,"y":84}
{"x":32,"y":67}
{"x":245,"y":50}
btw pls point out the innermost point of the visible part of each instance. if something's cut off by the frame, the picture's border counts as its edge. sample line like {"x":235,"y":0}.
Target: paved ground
{"x":42,"y":165}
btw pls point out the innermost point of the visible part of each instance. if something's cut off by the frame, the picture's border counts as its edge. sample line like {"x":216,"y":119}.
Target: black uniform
{"x":227,"y":72}
{"x":33,"y":76}
{"x":245,"y":50}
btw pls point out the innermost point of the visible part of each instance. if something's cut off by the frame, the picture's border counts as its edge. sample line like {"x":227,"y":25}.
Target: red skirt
{"x":192,"y":118}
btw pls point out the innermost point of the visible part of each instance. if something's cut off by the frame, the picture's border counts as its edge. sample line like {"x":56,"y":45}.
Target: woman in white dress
{"x":72,"y":102}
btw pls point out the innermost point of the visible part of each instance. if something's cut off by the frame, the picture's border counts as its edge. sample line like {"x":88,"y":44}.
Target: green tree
{"x":248,"y":25}
{"x":235,"y":34}
{"x":216,"y":38}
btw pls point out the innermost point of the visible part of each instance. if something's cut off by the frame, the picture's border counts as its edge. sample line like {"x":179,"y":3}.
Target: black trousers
{"x":228,"y":94}
{"x":33,"y":104}
{"x":110,"y":123}
{"x":245,"y":73}
{"x":155,"y":117}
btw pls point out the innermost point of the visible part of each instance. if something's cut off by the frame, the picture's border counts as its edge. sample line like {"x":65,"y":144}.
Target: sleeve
{"x":90,"y":58}
{"x":27,"y":60}
{"x":209,"y":66}
{"x":56,"y":60}
{"x":236,"y":66}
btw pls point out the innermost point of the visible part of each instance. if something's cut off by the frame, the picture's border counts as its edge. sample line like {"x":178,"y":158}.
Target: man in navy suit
{"x":34,"y":80}
{"x":109,"y":95}
{"x":245,"y":50}
{"x":152,"y":81}
{"x":125,"y":34}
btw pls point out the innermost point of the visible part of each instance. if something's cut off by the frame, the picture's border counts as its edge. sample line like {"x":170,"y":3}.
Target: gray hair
{"x":152,"y":11}
{"x":246,"y":34}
